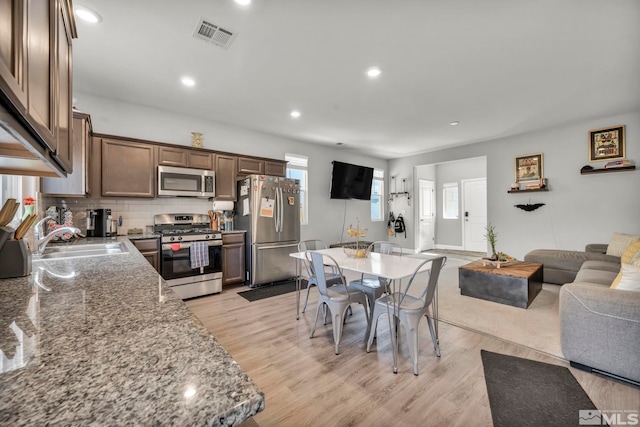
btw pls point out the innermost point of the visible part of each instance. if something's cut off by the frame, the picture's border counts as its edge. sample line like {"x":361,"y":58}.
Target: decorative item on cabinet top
{"x":196,"y":139}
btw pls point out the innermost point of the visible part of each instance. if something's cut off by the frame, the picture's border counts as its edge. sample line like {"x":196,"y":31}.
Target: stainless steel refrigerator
{"x":268,"y":208}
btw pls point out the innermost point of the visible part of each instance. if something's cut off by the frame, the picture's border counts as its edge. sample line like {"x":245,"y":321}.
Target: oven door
{"x":175,"y":262}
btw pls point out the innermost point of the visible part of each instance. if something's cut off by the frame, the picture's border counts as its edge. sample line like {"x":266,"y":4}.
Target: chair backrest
{"x":385,"y":247}
{"x":318,"y":261}
{"x":311,"y":245}
{"x":433,"y":274}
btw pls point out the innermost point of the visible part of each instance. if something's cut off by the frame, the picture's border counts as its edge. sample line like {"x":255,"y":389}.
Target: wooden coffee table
{"x":516,"y":283}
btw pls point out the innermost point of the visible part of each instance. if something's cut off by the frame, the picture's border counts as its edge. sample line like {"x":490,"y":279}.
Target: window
{"x":17,"y":187}
{"x":297,"y":169}
{"x":450,"y":202}
{"x":377,"y":195}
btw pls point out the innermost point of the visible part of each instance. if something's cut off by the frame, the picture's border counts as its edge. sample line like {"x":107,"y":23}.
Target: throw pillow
{"x":619,"y":243}
{"x":629,"y":279}
{"x":630,"y":253}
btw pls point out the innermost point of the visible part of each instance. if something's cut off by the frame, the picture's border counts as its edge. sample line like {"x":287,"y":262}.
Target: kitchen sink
{"x":82,"y":251}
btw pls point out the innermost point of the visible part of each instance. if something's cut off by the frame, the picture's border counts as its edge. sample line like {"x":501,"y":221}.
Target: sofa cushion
{"x":599,"y":272}
{"x":619,"y":243}
{"x":628,"y":279}
{"x":561,"y":267}
{"x":630,"y":252}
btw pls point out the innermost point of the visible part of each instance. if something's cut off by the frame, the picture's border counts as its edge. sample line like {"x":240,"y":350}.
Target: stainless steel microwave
{"x":186,"y":182}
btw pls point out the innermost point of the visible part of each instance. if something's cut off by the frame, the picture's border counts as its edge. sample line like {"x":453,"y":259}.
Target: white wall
{"x":579,"y":209}
{"x":326,"y":216}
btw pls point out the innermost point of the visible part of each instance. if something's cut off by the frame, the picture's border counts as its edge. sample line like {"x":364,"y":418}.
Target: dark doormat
{"x":524,"y":392}
{"x":266,"y":291}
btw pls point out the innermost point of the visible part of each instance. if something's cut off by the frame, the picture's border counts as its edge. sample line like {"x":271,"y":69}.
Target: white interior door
{"x":474,"y":208}
{"x":426,"y":216}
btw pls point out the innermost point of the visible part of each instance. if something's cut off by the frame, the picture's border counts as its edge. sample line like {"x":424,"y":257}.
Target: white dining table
{"x":391,"y":267}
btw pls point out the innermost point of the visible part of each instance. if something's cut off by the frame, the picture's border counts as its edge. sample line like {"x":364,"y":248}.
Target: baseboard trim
{"x":450,"y":247}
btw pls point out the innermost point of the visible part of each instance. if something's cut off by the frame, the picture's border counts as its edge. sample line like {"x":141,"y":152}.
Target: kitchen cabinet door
{"x":150,"y":250}
{"x":225,"y":177}
{"x":12,"y":52}
{"x":200,"y":160}
{"x":128,"y":169}
{"x":76,"y":184}
{"x":233,"y":258}
{"x":172,"y":156}
{"x":275,"y":168}
{"x":64,"y":117}
{"x":41,"y":60}
{"x":248,"y":166}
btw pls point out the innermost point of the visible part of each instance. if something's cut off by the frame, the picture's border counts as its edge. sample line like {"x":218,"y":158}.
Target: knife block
{"x":15,"y":256}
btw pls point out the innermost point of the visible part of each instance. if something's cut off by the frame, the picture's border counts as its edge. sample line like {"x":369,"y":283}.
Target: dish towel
{"x":199,"y":254}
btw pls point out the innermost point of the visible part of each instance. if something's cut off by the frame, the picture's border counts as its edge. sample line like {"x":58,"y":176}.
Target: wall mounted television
{"x":351,"y":181}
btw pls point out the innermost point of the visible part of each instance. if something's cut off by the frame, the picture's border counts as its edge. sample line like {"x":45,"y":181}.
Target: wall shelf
{"x":622,"y":169}
{"x":533,"y":190}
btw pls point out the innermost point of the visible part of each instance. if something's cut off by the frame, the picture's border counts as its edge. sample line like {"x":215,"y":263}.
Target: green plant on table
{"x":492,"y":238}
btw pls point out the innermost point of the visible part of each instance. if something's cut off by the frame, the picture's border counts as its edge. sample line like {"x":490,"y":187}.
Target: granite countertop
{"x":104,"y":341}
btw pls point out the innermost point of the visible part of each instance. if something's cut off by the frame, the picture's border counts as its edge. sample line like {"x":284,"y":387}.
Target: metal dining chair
{"x":336,"y":298}
{"x":409,"y":309}
{"x":332,"y":277}
{"x":374,"y":287}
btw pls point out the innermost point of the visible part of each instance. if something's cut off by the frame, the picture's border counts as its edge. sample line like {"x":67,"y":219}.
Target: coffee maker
{"x":100,"y":223}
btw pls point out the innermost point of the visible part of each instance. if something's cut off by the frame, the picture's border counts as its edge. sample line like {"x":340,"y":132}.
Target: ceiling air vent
{"x":213,"y":33}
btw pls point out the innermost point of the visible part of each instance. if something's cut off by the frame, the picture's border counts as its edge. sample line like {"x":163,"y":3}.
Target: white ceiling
{"x":499,"y":67}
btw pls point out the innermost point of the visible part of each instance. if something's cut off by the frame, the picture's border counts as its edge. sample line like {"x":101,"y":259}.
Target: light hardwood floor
{"x":306,"y":384}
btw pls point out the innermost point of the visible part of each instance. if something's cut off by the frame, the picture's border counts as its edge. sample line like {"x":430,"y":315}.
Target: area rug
{"x":267,"y":291}
{"x":537,"y":327}
{"x":524,"y":392}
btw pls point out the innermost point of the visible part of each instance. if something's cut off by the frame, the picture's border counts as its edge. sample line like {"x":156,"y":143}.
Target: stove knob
{"x":172,"y":239}
{"x":180,"y":238}
{"x":207,"y":237}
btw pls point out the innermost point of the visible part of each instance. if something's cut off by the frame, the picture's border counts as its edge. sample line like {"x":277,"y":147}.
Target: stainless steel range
{"x":187,"y":241}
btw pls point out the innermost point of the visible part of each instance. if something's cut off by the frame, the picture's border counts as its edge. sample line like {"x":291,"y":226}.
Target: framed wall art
{"x":529,"y":168}
{"x":606,"y":144}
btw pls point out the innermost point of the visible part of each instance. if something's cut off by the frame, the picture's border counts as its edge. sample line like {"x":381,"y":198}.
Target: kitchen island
{"x":104,"y":341}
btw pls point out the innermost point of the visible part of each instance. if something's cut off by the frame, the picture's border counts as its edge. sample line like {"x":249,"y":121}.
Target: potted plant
{"x":492,"y":237}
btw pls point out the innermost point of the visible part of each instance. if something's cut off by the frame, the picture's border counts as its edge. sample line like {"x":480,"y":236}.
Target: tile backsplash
{"x":135,"y":213}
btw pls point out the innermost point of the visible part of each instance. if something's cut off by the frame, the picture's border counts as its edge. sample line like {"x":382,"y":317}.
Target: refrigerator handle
{"x":280,"y":208}
{"x":275,"y":211}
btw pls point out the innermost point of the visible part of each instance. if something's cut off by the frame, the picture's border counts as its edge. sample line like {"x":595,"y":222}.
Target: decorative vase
{"x":196,"y":139}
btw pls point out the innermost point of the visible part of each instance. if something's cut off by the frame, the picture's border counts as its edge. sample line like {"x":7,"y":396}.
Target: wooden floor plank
{"x":306,"y":384}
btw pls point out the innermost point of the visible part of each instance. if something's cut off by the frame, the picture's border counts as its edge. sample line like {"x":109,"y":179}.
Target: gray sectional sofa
{"x":599,"y":326}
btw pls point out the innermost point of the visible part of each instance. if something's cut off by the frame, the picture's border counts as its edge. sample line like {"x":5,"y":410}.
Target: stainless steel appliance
{"x":100,"y":223}
{"x":186,"y":182}
{"x":178,"y":233}
{"x":268,"y":208}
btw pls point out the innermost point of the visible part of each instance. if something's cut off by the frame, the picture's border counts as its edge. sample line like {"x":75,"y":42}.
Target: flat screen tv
{"x":351,"y":181}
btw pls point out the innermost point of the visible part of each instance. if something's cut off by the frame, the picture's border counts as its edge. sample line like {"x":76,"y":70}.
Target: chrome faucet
{"x":41,"y":242}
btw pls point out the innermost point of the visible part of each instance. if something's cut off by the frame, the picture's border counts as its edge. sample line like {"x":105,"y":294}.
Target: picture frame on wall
{"x":607,"y":144}
{"x":529,"y":168}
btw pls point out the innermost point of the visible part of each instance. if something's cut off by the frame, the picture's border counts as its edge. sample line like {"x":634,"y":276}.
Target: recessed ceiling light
{"x":373,"y":72}
{"x":295,"y":114}
{"x":187,"y":81}
{"x":243,"y":2}
{"x":454,"y":123}
{"x":87,"y":14}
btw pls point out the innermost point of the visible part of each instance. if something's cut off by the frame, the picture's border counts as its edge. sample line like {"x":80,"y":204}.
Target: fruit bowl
{"x":357,"y":251}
